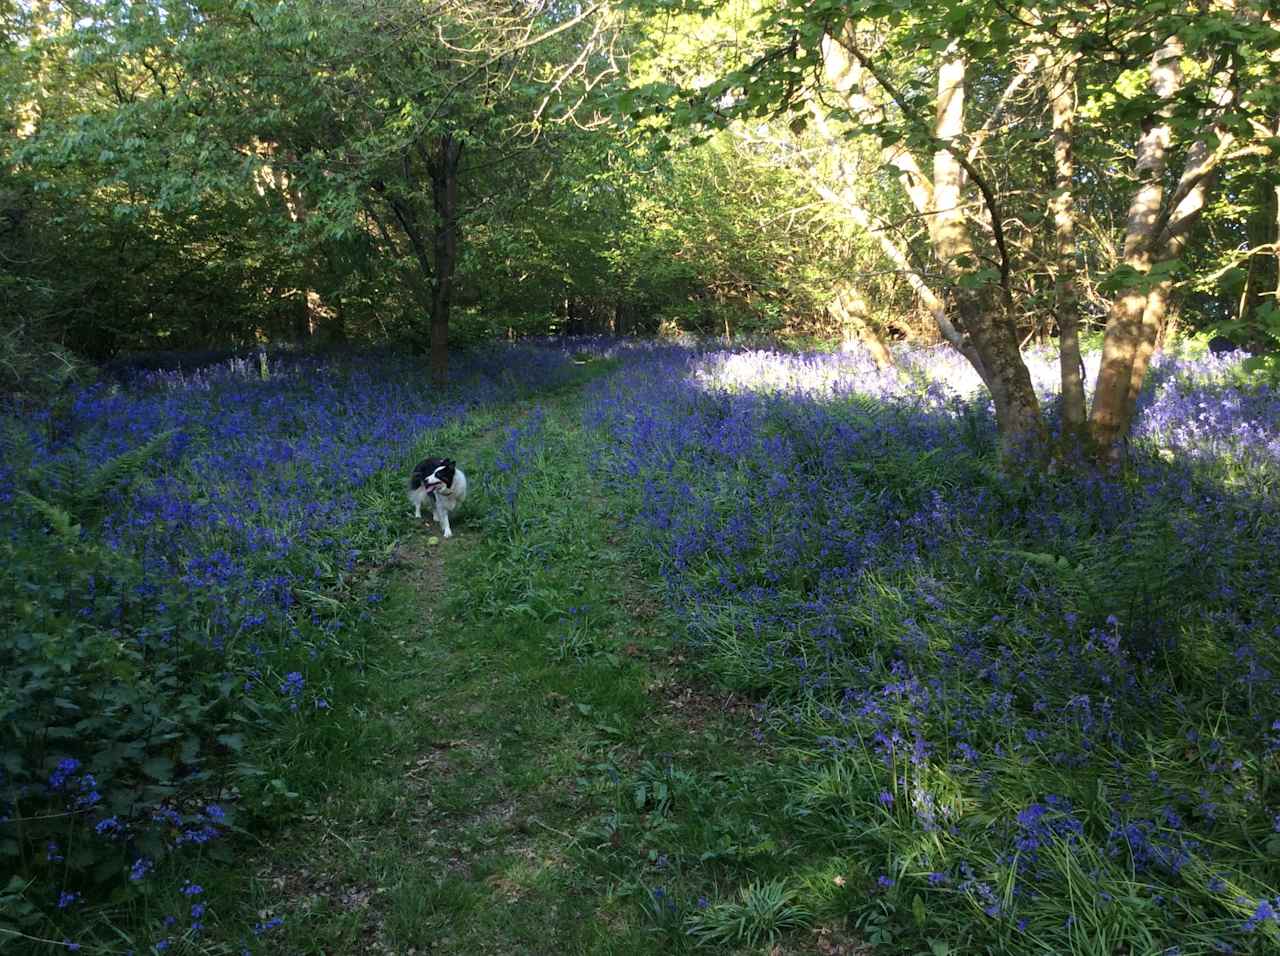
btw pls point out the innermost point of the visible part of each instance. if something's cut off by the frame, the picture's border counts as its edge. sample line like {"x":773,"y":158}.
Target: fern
{"x":1144,"y":576}
{"x":16,"y":449}
{"x":59,"y":519}
{"x":59,"y":488}
{"x":121,"y":470}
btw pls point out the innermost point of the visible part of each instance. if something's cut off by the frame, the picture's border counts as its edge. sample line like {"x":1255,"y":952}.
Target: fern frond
{"x":120,"y":470}
{"x":59,"y":519}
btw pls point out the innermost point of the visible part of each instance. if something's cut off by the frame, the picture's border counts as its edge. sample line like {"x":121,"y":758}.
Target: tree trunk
{"x":1066,"y":292}
{"x":304,"y":319}
{"x":338,"y":327}
{"x":1262,"y":274}
{"x":979,"y":325}
{"x":420,"y":282}
{"x":1123,"y":342}
{"x":980,"y":317}
{"x":849,"y":309}
{"x":1275,"y":290}
{"x":444,"y":195}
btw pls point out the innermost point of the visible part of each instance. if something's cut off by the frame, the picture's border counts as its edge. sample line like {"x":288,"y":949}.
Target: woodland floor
{"x":527,"y":763}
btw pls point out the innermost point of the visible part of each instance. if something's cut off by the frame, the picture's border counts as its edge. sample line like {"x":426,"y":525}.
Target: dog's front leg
{"x":442,"y":516}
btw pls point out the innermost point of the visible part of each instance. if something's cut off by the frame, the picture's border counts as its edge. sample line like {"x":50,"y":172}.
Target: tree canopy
{"x":217,"y":174}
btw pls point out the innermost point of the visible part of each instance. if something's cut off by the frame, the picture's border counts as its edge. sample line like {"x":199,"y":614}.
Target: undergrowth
{"x":1042,"y":712}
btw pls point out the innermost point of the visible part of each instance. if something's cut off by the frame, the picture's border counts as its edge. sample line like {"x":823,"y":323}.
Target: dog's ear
{"x":449,"y":463}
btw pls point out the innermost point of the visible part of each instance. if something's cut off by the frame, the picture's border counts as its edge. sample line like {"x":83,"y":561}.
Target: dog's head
{"x":437,"y":474}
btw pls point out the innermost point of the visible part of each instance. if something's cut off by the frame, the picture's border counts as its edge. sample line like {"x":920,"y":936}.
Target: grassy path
{"x":525,"y":764}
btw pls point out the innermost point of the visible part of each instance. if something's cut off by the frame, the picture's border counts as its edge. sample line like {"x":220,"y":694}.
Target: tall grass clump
{"x":183,"y":552}
{"x":1043,"y":711}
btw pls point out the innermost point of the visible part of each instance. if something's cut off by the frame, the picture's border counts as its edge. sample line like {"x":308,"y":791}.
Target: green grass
{"x":524,"y":757}
{"x":520,"y":760}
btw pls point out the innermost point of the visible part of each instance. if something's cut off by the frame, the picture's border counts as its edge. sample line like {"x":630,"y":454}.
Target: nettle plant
{"x":184,"y":556}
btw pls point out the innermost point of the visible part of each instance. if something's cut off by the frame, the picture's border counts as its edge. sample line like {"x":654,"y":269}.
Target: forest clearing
{"x":871,"y":426}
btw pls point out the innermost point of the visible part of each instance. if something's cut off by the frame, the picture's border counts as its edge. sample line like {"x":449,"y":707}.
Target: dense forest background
{"x":197,"y":175}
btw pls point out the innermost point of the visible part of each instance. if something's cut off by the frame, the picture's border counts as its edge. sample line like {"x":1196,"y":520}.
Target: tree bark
{"x":1120,"y":348}
{"x":407,"y":218}
{"x":846,"y":75}
{"x":1062,"y":97}
{"x":984,"y":320}
{"x":849,"y":309}
{"x":444,"y":195}
{"x":1263,"y":271}
{"x":979,"y":325}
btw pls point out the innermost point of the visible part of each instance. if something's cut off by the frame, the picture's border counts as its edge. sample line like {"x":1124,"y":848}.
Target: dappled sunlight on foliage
{"x":1006,"y":689}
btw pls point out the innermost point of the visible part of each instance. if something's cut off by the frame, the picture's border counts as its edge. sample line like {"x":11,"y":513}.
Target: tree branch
{"x":988,"y":197}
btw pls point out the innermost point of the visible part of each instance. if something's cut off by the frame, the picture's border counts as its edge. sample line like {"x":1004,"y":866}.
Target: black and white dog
{"x":441,"y":480}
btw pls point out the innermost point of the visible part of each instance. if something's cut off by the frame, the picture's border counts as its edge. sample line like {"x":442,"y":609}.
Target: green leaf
{"x":159,"y":769}
{"x":233,"y":742}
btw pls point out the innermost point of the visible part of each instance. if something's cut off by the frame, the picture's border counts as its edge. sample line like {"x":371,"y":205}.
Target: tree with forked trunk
{"x":957,"y":98}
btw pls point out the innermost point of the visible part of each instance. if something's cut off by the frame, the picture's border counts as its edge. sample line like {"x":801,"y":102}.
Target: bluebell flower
{"x":1262,"y":913}
{"x":64,"y":771}
{"x":110,"y":826}
{"x":267,"y":926}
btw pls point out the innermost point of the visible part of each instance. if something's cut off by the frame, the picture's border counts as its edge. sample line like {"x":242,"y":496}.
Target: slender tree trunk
{"x":1264,"y":232}
{"x":845,"y":74}
{"x":1066,"y":291}
{"x":1172,"y":241}
{"x":972,"y":319}
{"x":420,"y":282}
{"x":983,"y":319}
{"x":338,"y":327}
{"x":1123,"y":342}
{"x":444,"y":194}
{"x":1275,"y":291}
{"x":304,"y":319}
